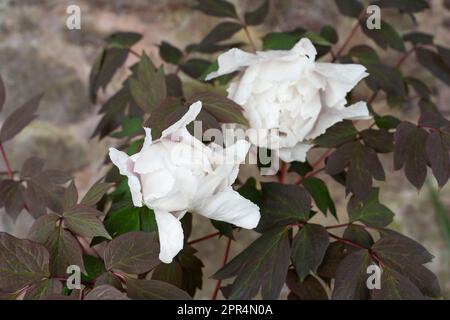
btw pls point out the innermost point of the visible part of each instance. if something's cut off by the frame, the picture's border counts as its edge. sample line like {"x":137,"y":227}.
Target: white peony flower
{"x":288,"y":98}
{"x":178,"y":173}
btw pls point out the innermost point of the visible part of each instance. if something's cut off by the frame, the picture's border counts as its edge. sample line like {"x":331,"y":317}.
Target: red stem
{"x":282,"y":173}
{"x":134,"y":53}
{"x":5,"y":160}
{"x":211,"y":235}
{"x":350,"y":36}
{"x":224,"y":262}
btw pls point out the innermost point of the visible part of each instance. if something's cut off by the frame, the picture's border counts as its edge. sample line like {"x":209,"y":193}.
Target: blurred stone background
{"x":39,"y":54}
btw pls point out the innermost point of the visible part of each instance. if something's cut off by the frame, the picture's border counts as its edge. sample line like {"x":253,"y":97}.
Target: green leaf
{"x":192,"y":270}
{"x":123,"y":39}
{"x":217,"y":8}
{"x":441,"y":215}
{"x":221,"y":32}
{"x":410,"y":152}
{"x":43,"y":289}
{"x":282,"y":40}
{"x":170,"y":111}
{"x":195,"y":68}
{"x":394,"y":286}
{"x":70,"y":196}
{"x":381,"y":140}
{"x":408,"y":6}
{"x":349,"y":8}
{"x":105,"y":67}
{"x":359,"y":235}
{"x":419,"y":86}
{"x":351,"y":277}
{"x":95,"y":193}
{"x":263,"y":264}
{"x":223,"y":109}
{"x":387,"y":122}
{"x":258,"y":15}
{"x":370,"y":211}
{"x":363,"y":164}
{"x":42,"y":227}
{"x":333,"y":256}
{"x":124,"y":217}
{"x":308,"y":289}
{"x":19,"y":119}
{"x":283,"y":205}
{"x":329,"y":33}
{"x":316,"y":38}
{"x":385,"y":37}
{"x":174,"y":86}
{"x":406,"y":256}
{"x":169,"y":53}
{"x":319,"y":192}
{"x":169,"y":272}
{"x":22,"y":262}
{"x":134,"y":252}
{"x":64,"y":251}
{"x":302,"y":168}
{"x":225,"y":229}
{"x":83,"y":220}
{"x":148,"y":85}
{"x":94,"y":268}
{"x":417,"y":38}
{"x":308,"y":249}
{"x":154,"y":290}
{"x":437,"y":148}
{"x":130,"y":127}
{"x":250,"y":192}
{"x":105,"y":292}
{"x":337,"y":135}
{"x":434,"y":63}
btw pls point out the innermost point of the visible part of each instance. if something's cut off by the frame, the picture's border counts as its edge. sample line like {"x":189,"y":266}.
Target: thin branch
{"x":224,"y":262}
{"x":349,"y":37}
{"x":6,"y":162}
{"x":282,"y":172}
{"x":208,"y":236}
{"x":249,"y":37}
{"x":134,"y":53}
{"x":315,"y":170}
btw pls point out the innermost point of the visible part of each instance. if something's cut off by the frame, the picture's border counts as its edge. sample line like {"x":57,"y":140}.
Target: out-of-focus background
{"x":39,"y":54}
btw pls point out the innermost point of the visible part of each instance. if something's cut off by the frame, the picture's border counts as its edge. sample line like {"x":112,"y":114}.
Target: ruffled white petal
{"x":296,"y":153}
{"x":148,"y":139}
{"x":171,"y":237}
{"x":231,"y":207}
{"x":340,"y":79}
{"x":230,"y":61}
{"x":126,"y":167}
{"x":330,"y":116}
{"x":187,"y":118}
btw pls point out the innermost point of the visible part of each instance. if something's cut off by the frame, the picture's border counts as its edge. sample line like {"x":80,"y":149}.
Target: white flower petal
{"x":231,"y":207}
{"x":151,"y":159}
{"x":296,"y":153}
{"x":156,"y":184}
{"x":330,"y":116}
{"x":171,"y":237}
{"x":187,"y":118}
{"x":340,"y":78}
{"x":126,"y":167}
{"x":148,"y":139}
{"x":305,"y":47}
{"x":231,"y":61}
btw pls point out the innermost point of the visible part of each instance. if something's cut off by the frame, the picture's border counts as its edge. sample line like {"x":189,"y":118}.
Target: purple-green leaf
{"x":133,"y":252}
{"x":19,"y":119}
{"x":22,"y":262}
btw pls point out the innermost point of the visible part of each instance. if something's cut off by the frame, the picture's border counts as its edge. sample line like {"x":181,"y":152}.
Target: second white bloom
{"x":288,"y":98}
